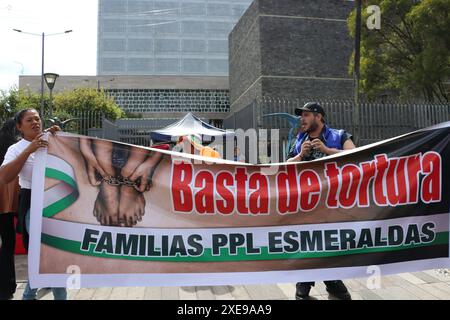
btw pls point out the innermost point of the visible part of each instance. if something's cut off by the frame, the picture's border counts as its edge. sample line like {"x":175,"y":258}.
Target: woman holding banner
{"x":9,"y":198}
{"x":19,"y":161}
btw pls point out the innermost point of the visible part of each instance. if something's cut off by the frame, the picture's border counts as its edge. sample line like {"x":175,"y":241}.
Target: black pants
{"x":7,"y":268}
{"x":24,"y":206}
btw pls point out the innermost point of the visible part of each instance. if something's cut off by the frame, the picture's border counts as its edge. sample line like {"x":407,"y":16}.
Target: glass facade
{"x":166,"y":37}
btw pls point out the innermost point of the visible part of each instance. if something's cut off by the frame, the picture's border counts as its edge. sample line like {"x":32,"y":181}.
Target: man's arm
{"x":305,"y":150}
{"x":319,"y":145}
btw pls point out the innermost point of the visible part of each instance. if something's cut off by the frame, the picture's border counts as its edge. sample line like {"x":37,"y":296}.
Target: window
{"x":113,"y":25}
{"x":193,"y":27}
{"x":219,"y":28}
{"x":166,"y":26}
{"x":140,"y":7}
{"x":218,"y":46}
{"x":113,"y":7}
{"x":194,"y":66}
{"x":193,"y":46}
{"x":140,"y":65}
{"x":193,"y":9}
{"x":140,"y":45}
{"x":140,"y":26}
{"x":218,"y":66}
{"x":167,"y":65}
{"x":113,"y":45}
{"x":219,"y":10}
{"x":167,"y":46}
{"x":167,"y":8}
{"x":113,"y":64}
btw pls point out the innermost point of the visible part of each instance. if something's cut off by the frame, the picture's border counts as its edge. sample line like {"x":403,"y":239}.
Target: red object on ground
{"x":162,"y":146}
{"x":20,"y":249}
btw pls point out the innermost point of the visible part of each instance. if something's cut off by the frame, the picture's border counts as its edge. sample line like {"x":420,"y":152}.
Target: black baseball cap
{"x":310,"y":107}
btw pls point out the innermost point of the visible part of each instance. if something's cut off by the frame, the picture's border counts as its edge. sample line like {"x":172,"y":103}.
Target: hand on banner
{"x":53,"y":129}
{"x":92,"y":164}
{"x":37,"y":143}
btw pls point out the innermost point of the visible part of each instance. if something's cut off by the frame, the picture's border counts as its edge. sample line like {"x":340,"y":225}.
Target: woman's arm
{"x":11,"y":170}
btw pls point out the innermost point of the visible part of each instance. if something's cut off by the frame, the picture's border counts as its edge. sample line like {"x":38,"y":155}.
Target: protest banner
{"x":164,"y":218}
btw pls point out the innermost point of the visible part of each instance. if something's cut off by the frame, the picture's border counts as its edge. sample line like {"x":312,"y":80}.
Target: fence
{"x":133,"y":131}
{"x":378,"y":121}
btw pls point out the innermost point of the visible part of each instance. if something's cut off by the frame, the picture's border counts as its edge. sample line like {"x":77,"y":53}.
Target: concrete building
{"x":166,"y":37}
{"x":152,"y":96}
{"x":293,"y":49}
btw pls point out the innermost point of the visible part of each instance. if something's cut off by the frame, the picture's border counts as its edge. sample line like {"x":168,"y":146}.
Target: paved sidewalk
{"x":425,"y":285}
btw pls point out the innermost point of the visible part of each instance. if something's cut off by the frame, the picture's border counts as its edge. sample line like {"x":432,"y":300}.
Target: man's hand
{"x":319,"y":145}
{"x":91,"y":162}
{"x":306,"y":149}
{"x":144,"y":172}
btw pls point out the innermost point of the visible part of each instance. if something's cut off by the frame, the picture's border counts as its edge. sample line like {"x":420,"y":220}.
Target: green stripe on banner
{"x":65,"y":202}
{"x":59,"y":175}
{"x":74,"y":247}
{"x":60,"y":205}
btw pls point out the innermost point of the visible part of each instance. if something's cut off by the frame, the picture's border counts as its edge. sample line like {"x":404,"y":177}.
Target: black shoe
{"x":302,"y":291}
{"x":338,"y":290}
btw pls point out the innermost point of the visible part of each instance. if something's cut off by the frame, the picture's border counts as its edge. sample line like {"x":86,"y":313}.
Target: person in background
{"x":317,"y":140}
{"x":9,"y":200}
{"x":238,"y":156}
{"x":19,"y":161}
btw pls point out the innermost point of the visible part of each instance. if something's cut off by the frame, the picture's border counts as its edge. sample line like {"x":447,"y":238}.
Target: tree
{"x":410,"y":55}
{"x":14,"y":100}
{"x":85,"y":105}
{"x":87,"y":100}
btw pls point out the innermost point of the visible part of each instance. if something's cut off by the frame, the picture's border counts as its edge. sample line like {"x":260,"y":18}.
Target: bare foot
{"x":106,"y":208}
{"x":131,"y":206}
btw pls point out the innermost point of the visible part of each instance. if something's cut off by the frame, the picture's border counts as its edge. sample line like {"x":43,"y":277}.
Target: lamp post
{"x":43,"y":35}
{"x":50,"y":80}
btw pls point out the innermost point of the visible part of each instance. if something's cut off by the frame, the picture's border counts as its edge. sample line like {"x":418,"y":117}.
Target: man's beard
{"x":312,"y":127}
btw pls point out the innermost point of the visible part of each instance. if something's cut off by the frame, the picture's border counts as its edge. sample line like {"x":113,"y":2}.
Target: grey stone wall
{"x":245,"y":53}
{"x":171,"y":100}
{"x":291,"y":48}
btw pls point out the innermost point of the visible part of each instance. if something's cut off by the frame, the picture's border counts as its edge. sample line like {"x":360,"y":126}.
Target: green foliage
{"x":88,"y":100}
{"x":85,"y":106}
{"x":410,"y":55}
{"x":14,"y":100}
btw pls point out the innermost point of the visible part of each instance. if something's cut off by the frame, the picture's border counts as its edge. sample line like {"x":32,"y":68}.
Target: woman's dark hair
{"x":8,"y":136}
{"x":19,"y":115}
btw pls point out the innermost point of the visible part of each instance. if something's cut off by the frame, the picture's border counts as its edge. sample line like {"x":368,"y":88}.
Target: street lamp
{"x":50,"y":80}
{"x":42,"y":70}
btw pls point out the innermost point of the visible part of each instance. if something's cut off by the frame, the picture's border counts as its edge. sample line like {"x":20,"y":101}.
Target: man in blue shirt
{"x":317,"y":140}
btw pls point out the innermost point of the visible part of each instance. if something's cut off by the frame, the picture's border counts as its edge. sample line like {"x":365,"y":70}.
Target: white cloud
{"x":68,"y":54}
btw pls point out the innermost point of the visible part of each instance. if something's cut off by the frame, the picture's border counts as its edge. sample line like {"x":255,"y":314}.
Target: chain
{"x":119,"y":181}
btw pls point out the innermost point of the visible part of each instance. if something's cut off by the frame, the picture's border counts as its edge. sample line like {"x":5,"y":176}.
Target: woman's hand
{"x":37,"y":143}
{"x":53,"y":129}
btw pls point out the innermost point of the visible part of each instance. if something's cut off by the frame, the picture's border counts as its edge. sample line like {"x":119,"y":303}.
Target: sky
{"x":67,"y":54}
